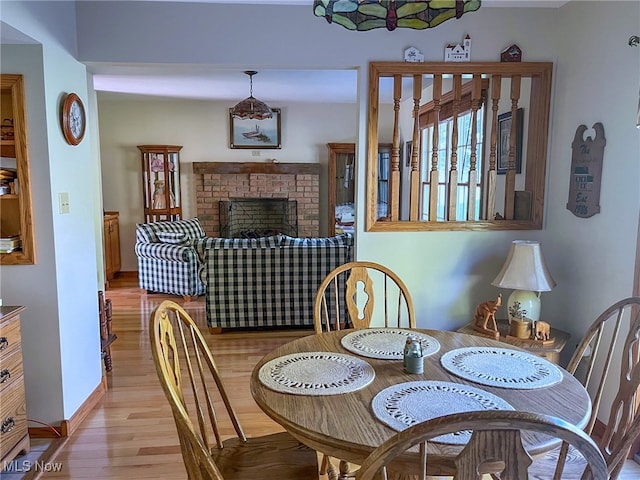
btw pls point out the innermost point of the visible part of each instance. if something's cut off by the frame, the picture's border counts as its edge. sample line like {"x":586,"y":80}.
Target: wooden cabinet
{"x":161,"y":182}
{"x":111,"y":245}
{"x":16,"y":226}
{"x":14,"y":436}
{"x":342,"y":164}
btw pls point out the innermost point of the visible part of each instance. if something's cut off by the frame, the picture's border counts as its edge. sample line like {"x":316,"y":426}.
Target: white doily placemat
{"x":406,"y":404}
{"x":316,"y":373}
{"x":386,"y":343}
{"x":501,"y":367}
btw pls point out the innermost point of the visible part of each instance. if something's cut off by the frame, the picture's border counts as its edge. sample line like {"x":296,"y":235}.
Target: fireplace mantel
{"x":256,"y":167}
{"x":217,"y":182}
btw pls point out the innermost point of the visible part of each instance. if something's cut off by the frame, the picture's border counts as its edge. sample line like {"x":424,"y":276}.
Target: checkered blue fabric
{"x":267,"y":287}
{"x":169,"y":267}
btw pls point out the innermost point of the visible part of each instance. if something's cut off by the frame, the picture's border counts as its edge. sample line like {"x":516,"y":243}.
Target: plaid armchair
{"x":167,"y":258}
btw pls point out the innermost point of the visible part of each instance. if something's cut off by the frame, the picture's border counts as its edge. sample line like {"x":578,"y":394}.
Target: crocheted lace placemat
{"x":501,"y":367}
{"x":386,"y":343}
{"x":406,"y":404}
{"x":316,"y":373}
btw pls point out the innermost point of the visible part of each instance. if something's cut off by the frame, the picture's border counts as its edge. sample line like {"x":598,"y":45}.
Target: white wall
{"x":60,"y":325}
{"x":202,"y":128}
{"x":597,"y":80}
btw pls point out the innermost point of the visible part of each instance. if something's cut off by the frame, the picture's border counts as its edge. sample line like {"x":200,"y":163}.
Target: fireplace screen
{"x":258,"y":217}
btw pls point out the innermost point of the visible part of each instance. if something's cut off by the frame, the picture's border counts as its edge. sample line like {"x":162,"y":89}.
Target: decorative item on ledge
{"x":415,"y":14}
{"x":511,"y":54}
{"x":485,"y":313}
{"x":458,"y":52}
{"x":526,"y":272}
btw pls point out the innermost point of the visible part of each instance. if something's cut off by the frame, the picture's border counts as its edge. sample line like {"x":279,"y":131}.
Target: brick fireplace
{"x":227,"y":181}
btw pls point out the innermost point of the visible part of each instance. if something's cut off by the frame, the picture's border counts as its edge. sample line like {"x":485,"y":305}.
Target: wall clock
{"x":74,"y":119}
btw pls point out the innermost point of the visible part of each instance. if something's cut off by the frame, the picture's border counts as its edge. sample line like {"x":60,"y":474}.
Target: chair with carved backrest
{"x":189,"y":377}
{"x":346,"y":299}
{"x":623,"y":425}
{"x":497,"y":445}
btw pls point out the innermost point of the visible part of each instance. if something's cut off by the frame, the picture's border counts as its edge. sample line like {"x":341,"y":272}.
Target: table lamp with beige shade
{"x":524,"y":271}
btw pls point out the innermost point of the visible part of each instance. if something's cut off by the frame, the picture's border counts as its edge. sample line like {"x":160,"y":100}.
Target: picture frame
{"x":254,"y":134}
{"x":408,"y":147}
{"x":504,"y":134}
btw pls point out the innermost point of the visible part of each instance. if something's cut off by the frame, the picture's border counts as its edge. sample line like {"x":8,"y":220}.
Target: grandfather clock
{"x":161,"y":182}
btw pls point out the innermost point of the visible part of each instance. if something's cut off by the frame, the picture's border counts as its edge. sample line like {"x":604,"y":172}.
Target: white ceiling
{"x":211,"y":83}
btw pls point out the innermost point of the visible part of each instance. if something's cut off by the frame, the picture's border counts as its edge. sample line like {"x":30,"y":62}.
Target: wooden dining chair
{"x":497,"y":445}
{"x":347,"y":298}
{"x":590,"y":363}
{"x":193,"y":385}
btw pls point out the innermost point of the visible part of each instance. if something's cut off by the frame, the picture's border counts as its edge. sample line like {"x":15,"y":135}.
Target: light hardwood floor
{"x":131,"y":433}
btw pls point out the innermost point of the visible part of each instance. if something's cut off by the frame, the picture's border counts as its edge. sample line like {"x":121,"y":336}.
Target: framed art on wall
{"x":504,"y":134}
{"x":252,"y":133}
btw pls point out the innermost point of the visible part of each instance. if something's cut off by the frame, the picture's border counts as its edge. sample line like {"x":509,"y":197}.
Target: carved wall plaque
{"x":586,"y":172}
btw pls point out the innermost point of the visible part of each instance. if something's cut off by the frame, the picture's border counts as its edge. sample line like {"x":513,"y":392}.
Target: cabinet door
{"x":115,"y":245}
{"x":111,"y":246}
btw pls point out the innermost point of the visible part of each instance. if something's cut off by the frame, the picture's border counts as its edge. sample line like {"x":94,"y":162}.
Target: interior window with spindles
{"x":478,"y":145}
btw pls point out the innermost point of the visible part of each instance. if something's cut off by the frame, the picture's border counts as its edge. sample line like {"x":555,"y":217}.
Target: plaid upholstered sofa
{"x":267,"y":282}
{"x":167,"y":257}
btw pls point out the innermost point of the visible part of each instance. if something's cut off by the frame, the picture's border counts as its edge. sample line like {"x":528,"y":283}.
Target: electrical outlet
{"x":255,"y":153}
{"x":63,"y":203}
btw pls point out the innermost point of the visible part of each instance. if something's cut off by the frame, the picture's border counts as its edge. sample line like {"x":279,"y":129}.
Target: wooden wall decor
{"x":586,"y":172}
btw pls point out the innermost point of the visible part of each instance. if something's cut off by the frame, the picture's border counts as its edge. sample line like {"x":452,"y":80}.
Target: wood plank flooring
{"x":131,"y":433}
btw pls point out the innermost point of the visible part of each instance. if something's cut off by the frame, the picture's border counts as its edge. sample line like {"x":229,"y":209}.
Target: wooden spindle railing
{"x":476,"y":100}
{"x":394,"y":177}
{"x":492,"y":177}
{"x":414,"y":195}
{"x":433,"y":178}
{"x":510,"y":181}
{"x":453,"y":170}
{"x":474,"y":93}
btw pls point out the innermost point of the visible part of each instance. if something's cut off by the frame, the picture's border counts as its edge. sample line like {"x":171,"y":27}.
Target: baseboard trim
{"x":68,"y":427}
{"x":127,"y":274}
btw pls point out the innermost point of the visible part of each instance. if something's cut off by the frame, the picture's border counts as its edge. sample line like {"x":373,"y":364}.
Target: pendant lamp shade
{"x":251,"y":107}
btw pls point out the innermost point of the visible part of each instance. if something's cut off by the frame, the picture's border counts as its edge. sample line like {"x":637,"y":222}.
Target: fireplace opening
{"x":258,"y":217}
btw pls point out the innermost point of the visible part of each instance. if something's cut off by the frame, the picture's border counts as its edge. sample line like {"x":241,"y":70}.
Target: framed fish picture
{"x":253,"y":134}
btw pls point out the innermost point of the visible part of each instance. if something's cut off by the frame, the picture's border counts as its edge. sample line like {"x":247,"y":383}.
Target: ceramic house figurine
{"x":458,"y":52}
{"x":412,"y":54}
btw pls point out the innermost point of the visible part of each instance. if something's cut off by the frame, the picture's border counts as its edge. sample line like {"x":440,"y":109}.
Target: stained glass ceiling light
{"x":251,"y":107}
{"x":392,"y":14}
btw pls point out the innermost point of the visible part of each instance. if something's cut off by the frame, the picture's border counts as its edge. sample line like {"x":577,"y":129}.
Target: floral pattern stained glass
{"x":391,"y":14}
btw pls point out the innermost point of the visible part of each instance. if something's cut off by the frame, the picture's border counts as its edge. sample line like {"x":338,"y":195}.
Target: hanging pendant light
{"x":251,"y":107}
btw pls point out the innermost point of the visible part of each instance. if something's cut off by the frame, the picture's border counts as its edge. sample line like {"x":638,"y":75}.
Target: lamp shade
{"x":251,"y":107}
{"x":525,"y":269}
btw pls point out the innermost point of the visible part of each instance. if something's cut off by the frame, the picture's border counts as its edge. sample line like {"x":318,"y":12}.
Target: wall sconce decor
{"x":391,"y":14}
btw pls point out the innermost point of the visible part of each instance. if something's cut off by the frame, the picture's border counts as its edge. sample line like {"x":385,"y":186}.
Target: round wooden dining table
{"x":345,"y":427}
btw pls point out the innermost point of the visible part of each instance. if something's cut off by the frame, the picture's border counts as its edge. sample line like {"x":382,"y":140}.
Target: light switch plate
{"x":63,"y":202}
